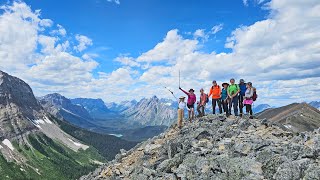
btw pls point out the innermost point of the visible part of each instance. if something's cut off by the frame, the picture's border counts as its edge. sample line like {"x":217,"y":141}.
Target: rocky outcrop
{"x":215,"y":147}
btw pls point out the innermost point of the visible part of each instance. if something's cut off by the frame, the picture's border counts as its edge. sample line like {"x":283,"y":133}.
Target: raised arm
{"x":184,"y":91}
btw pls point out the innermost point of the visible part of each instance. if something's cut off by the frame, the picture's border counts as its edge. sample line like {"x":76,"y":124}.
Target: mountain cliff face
{"x":150,"y":112}
{"x":95,"y":107}
{"x":214,"y":147}
{"x":17,"y":107}
{"x":298,"y":117}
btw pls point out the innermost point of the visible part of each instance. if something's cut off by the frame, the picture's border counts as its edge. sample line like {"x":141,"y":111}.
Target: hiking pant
{"x":234,"y":103}
{"x":214,"y":103}
{"x":241,"y":104}
{"x":200,"y":110}
{"x":180,"y":117}
{"x":225,"y":106}
{"x":249,"y":109}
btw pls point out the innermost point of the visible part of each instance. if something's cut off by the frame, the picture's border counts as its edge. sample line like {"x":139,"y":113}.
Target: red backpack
{"x":255,"y":95}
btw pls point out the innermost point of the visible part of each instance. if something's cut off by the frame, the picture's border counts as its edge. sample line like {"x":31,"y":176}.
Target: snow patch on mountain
{"x":8,"y":144}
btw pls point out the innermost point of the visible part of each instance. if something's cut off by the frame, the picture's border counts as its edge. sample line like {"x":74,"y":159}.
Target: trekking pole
{"x":171,"y":92}
{"x":179,"y":78}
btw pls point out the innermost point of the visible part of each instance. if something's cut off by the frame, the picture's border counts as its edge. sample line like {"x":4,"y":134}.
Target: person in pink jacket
{"x":248,"y":101}
{"x":190,"y":102}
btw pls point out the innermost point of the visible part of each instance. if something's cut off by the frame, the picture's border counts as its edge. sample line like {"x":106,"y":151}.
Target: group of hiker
{"x":229,"y":96}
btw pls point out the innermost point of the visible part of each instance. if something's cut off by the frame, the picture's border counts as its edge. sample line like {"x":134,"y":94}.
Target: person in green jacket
{"x":233,"y":91}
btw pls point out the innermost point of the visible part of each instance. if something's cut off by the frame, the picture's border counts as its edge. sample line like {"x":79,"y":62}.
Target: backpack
{"x":255,"y":95}
{"x":207,"y":98}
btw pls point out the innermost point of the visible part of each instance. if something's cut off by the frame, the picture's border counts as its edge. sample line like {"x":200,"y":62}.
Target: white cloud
{"x":114,"y":1}
{"x":127,"y":61}
{"x":60,"y":31}
{"x":84,"y":42}
{"x":215,"y":29}
{"x":172,"y":47}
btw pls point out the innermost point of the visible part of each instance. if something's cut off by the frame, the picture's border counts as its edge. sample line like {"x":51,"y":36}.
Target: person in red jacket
{"x":202,"y":103}
{"x":190,"y":103}
{"x":215,"y":91}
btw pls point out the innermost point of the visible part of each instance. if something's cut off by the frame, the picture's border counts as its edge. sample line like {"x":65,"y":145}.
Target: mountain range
{"x":33,"y":145}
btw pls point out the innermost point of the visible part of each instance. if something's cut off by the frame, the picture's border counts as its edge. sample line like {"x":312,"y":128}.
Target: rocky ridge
{"x":216,"y":147}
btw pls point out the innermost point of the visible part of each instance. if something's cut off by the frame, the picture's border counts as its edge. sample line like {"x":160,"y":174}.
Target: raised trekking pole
{"x":171,"y":92}
{"x":179,"y":78}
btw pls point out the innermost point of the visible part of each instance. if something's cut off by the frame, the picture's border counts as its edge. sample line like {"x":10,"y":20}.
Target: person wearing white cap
{"x":181,"y":107}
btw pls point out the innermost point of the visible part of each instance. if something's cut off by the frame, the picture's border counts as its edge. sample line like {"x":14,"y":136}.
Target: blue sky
{"x":135,"y":27}
{"x":129,"y":49}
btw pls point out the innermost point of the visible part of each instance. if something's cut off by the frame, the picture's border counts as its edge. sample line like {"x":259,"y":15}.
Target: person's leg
{"x":250,"y":111}
{"x":235,"y":105}
{"x":202,"y":111}
{"x":230,"y":101}
{"x":199,"y":112}
{"x":213,"y":106}
{"x":227,"y":109}
{"x":180,"y":116}
{"x":240,"y":104}
{"x":192,"y":113}
{"x":219,"y":105}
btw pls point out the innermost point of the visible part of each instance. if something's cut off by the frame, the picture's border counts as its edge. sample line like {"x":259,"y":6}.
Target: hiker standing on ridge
{"x":248,"y":101}
{"x":215,"y":91}
{"x":233,"y":90}
{"x":243,"y":88}
{"x":190,"y":103}
{"x":202,"y":103}
{"x":181,"y":107}
{"x":224,"y":98}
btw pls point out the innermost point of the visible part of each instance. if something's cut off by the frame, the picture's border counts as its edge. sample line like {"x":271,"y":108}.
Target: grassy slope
{"x":107,"y":145}
{"x":52,"y":159}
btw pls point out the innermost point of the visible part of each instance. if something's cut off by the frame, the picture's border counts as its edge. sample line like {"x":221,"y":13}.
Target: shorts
{"x":190,"y":106}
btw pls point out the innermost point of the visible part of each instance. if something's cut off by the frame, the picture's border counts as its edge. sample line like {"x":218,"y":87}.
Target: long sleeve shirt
{"x":249,"y":93}
{"x":191,"y":98}
{"x":215,"y":91}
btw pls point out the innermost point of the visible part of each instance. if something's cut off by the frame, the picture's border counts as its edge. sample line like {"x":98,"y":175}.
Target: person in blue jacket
{"x":243,"y":88}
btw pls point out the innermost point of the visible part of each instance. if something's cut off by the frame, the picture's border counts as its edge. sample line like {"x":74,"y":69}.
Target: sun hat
{"x":225,"y":84}
{"x":182,"y":97}
{"x":191,"y":90}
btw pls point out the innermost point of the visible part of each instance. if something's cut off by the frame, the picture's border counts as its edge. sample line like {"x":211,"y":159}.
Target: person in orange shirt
{"x":215,"y":91}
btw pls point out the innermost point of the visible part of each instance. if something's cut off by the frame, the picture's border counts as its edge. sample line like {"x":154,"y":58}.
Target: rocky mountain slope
{"x":297,"y":117}
{"x":62,"y":107}
{"x":31,"y":145}
{"x":218,"y":148}
{"x":150,"y":112}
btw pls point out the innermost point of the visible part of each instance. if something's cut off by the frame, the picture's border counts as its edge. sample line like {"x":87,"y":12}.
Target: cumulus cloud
{"x":127,"y":61}
{"x":83,"y":41}
{"x":60,"y":31}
